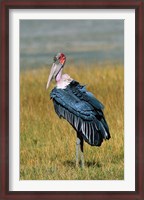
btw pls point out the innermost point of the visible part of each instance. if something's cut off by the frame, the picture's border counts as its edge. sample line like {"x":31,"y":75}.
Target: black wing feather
{"x":83,"y":111}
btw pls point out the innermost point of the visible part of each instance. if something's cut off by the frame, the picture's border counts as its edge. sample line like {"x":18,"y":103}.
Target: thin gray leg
{"x":82,"y":153}
{"x":77,"y":151}
{"x":79,"y":147}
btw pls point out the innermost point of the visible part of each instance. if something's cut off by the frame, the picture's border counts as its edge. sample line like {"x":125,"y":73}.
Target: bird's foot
{"x":81,"y":164}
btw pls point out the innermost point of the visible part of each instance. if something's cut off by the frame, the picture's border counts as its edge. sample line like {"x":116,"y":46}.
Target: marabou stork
{"x":79,"y":107}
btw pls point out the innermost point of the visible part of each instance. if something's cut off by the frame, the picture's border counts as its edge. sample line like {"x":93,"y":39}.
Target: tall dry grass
{"x":47,"y":143}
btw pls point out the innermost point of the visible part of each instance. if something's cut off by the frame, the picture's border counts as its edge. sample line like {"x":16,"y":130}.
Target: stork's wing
{"x":73,"y":104}
{"x":83,"y":94}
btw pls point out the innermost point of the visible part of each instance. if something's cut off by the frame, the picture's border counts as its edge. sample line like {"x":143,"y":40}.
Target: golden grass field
{"x":47,"y":143}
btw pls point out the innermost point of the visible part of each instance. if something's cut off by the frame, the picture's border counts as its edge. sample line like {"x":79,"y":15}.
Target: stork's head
{"x":58,"y":64}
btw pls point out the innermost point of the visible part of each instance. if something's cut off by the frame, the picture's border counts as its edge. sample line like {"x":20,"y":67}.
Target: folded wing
{"x":83,"y":111}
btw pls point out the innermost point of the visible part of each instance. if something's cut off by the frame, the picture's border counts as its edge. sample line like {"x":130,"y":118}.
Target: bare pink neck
{"x":58,"y":77}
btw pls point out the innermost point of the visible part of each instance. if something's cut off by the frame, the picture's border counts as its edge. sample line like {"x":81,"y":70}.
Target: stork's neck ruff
{"x":62,"y":81}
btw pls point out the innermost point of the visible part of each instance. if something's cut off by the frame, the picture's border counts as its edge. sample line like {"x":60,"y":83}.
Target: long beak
{"x":50,"y":75}
{"x":54,"y":71}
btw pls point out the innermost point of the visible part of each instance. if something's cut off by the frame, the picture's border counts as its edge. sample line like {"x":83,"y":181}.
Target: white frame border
{"x":128,"y":184}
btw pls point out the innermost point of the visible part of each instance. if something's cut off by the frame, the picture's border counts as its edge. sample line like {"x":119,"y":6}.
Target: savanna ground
{"x":47,"y":143}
